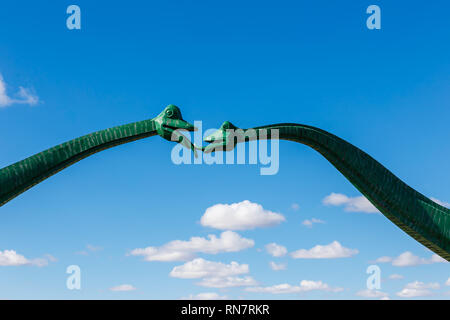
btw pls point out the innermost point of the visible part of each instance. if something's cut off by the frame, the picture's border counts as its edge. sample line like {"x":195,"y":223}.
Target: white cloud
{"x":214,"y":274}
{"x":123,"y":287}
{"x":277,"y":266}
{"x":352,"y":204}
{"x":304,"y":286}
{"x":12,"y":258}
{"x":24,"y":96}
{"x":227,"y":282}
{"x":447,"y":283}
{"x":295,"y":206}
{"x":276,"y":250}
{"x":309,"y":223}
{"x":240,"y":216}
{"x":39,"y":262}
{"x":93,"y":248}
{"x":408,"y":259}
{"x":276,"y":289}
{"x":90,"y":248}
{"x":330,"y":251}
{"x":442,"y":203}
{"x":396,"y":276}
{"x":179,"y":250}
{"x":383,"y":259}
{"x":205,"y":296}
{"x":367,"y":293}
{"x":201,"y":268}
{"x":437,"y":259}
{"x":412,"y":293}
{"x":418,"y":289}
{"x":51,"y":258}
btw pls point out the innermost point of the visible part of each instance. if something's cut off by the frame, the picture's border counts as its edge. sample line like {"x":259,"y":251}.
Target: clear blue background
{"x":251,"y":62}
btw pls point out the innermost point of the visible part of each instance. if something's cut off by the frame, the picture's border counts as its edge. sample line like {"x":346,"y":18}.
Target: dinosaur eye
{"x":169,"y":113}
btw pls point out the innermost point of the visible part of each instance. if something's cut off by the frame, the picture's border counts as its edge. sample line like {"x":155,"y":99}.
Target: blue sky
{"x":253,"y":63}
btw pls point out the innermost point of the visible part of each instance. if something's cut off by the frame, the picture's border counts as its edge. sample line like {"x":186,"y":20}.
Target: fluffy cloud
{"x":39,"y":262}
{"x":239,"y":216}
{"x":93,"y":248}
{"x":276,"y":250}
{"x":123,"y":287}
{"x":396,"y":276}
{"x":304,"y":286}
{"x":276,"y":289}
{"x":437,"y":259}
{"x":408,"y":259}
{"x":418,"y":289}
{"x":447,"y":283}
{"x":367,"y":293}
{"x":201,"y":268}
{"x":24,"y":96}
{"x":214,"y":274}
{"x":442,"y":203}
{"x":90,"y":248}
{"x":330,"y":251}
{"x":383,"y":259}
{"x":12,"y":258}
{"x":227,"y":282}
{"x":277,"y":266}
{"x":179,"y":250}
{"x":205,"y":296}
{"x":355,"y":204}
{"x":309,"y":223}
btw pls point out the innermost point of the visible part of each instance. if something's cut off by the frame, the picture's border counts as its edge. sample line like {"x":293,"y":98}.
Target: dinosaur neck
{"x":22,"y":175}
{"x":420,"y":217}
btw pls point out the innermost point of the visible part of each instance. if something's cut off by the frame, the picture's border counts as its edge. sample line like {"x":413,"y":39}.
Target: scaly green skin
{"x":420,"y":217}
{"x":20,"y":176}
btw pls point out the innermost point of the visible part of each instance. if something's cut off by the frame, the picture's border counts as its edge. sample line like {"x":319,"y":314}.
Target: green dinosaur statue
{"x":22,"y":175}
{"x":420,"y":217}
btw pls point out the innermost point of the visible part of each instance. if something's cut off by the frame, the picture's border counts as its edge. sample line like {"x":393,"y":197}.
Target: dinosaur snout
{"x":179,"y":124}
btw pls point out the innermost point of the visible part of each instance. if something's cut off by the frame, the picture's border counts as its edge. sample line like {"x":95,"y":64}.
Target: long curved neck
{"x":20,"y":176}
{"x":420,"y":217}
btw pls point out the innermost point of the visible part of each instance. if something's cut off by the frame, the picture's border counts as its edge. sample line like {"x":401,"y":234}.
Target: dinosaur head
{"x":223,"y":139}
{"x":169,"y":121}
